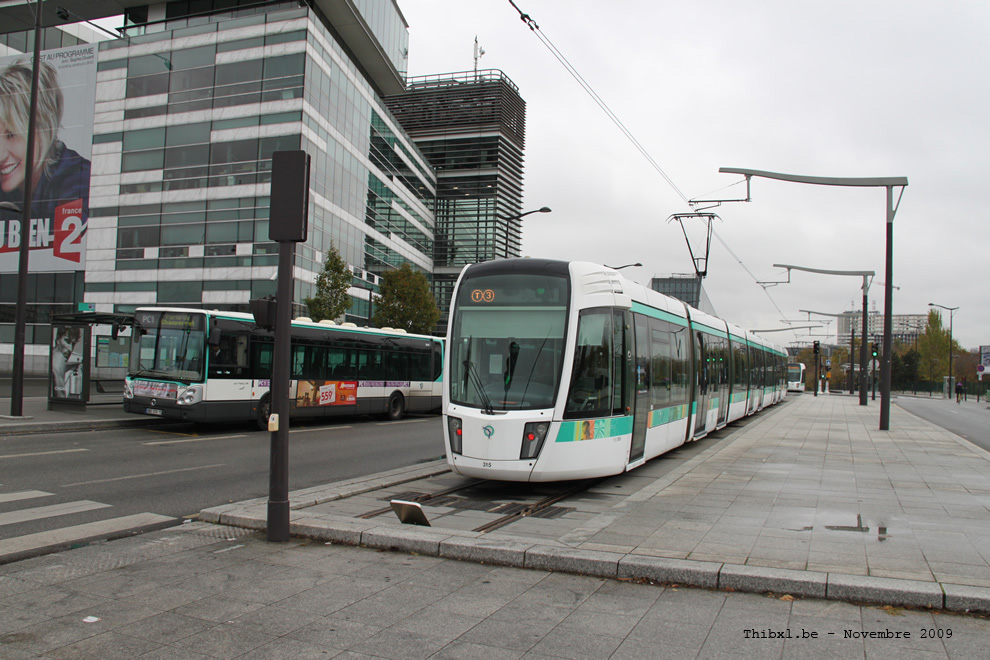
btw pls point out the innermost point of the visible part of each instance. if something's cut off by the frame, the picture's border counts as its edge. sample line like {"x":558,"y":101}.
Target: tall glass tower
{"x":471,"y":126}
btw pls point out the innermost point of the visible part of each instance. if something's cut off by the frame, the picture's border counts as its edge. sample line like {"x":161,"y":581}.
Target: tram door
{"x":702,"y":394}
{"x":724,"y":383}
{"x":641,"y":417}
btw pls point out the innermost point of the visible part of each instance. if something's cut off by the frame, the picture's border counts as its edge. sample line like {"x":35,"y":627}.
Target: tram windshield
{"x":168,"y":346}
{"x":507,"y":341}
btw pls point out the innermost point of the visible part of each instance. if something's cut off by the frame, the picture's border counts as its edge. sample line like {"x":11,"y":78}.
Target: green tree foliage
{"x":331,"y":299}
{"x":905,"y":367}
{"x":933,"y":347}
{"x":406,"y":302}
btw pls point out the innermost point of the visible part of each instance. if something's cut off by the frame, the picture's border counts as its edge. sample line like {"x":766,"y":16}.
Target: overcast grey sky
{"x":838,"y":88}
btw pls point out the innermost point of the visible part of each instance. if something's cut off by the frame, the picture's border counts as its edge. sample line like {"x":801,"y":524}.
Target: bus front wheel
{"x":396,"y":407}
{"x":264,"y":410}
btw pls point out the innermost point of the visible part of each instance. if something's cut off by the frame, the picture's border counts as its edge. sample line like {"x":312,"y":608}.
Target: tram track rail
{"x":424,"y":498}
{"x":536,"y":507}
{"x":512,"y":512}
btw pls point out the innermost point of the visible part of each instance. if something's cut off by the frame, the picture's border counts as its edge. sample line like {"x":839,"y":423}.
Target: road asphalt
{"x":806,"y":531}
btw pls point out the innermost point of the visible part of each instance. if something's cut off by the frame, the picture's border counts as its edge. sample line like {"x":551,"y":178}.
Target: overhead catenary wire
{"x":596,"y":98}
{"x":559,"y":56}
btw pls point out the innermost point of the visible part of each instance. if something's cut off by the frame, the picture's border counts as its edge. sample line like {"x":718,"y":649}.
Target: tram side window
{"x":230,"y":358}
{"x":760,"y":371}
{"x":643,"y":379}
{"x":679,"y":367}
{"x":740,"y":368}
{"x":670,"y":386}
{"x":622,"y":366}
{"x":661,"y":368}
{"x":722,"y":360}
{"x":590,"y":393}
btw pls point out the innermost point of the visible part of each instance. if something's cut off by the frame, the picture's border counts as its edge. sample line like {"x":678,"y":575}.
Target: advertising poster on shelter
{"x":67,"y":363}
{"x":62,"y":155}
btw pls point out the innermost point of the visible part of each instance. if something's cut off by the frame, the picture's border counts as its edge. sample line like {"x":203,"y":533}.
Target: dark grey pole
{"x":888,"y":312}
{"x":862,"y":350}
{"x":288,"y":225}
{"x":852,"y":358}
{"x":278,"y":491}
{"x":24,"y":252}
{"x":950,"y":352}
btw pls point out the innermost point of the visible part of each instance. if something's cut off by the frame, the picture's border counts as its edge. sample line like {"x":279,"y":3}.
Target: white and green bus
{"x":209,"y":366}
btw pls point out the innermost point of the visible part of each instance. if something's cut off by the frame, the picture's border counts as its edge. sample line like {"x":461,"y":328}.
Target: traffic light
{"x":818,"y":347}
{"x":874,"y":347}
{"x":264,"y":311}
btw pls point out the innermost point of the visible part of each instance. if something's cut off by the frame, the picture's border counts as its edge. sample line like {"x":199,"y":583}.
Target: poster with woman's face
{"x":61,"y":163}
{"x":66,"y":360}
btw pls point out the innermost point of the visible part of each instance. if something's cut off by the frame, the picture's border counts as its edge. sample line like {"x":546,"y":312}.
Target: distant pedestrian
{"x":960,"y":390}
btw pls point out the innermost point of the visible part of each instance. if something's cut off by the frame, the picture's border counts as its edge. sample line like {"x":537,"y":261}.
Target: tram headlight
{"x":190,"y":396}
{"x":455,"y":433}
{"x":128,"y":390}
{"x":534,"y":433}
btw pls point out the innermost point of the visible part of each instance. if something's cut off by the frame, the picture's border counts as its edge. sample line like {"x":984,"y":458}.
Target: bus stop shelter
{"x":70,"y":360}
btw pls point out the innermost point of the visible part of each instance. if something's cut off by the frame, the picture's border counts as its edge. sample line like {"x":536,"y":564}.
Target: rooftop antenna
{"x":478,"y":52}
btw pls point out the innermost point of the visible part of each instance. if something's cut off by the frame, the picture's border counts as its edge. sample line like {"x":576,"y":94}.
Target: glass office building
{"x":688,"y":288}
{"x":471,"y":126}
{"x":187,"y":119}
{"x":191,"y":104}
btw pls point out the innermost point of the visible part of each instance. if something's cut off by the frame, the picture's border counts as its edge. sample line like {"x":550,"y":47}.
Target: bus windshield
{"x":168,"y":346}
{"x":507,"y":341}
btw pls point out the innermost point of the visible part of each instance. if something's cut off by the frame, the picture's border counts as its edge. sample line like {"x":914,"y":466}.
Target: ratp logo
{"x":489,"y":431}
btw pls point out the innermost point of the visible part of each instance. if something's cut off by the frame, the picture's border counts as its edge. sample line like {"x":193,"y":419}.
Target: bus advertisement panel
{"x":311,"y":393}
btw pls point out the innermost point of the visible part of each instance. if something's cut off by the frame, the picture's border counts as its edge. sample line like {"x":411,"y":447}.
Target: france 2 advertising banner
{"x":62,"y":157}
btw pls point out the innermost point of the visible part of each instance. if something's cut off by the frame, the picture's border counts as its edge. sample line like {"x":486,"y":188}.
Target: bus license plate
{"x":153,"y":411}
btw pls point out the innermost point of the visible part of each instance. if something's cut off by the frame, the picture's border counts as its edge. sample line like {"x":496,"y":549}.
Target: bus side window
{"x":229,"y":359}
{"x":419,"y":366}
{"x":262,"y":357}
{"x":437,"y":361}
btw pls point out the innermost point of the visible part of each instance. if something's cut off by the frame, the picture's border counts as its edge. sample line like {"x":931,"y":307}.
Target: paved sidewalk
{"x":809,"y":499}
{"x":36,"y":417}
{"x":808,"y":507}
{"x":208,"y":591}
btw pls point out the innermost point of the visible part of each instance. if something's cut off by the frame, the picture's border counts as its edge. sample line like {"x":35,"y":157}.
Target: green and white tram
{"x":209,"y":366}
{"x":566,"y":370}
{"x":795,"y":376}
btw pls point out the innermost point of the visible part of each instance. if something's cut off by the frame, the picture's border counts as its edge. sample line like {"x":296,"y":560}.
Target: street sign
{"x":828,"y":363}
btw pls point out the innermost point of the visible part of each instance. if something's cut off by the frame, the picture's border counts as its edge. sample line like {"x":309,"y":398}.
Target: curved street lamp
{"x":888,"y":182}
{"x":516,"y":216}
{"x":623,"y":266}
{"x":865,"y":274}
{"x":951,"y":310}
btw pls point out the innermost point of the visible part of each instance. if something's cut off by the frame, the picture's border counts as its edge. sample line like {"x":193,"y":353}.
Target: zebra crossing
{"x":28,"y":545}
